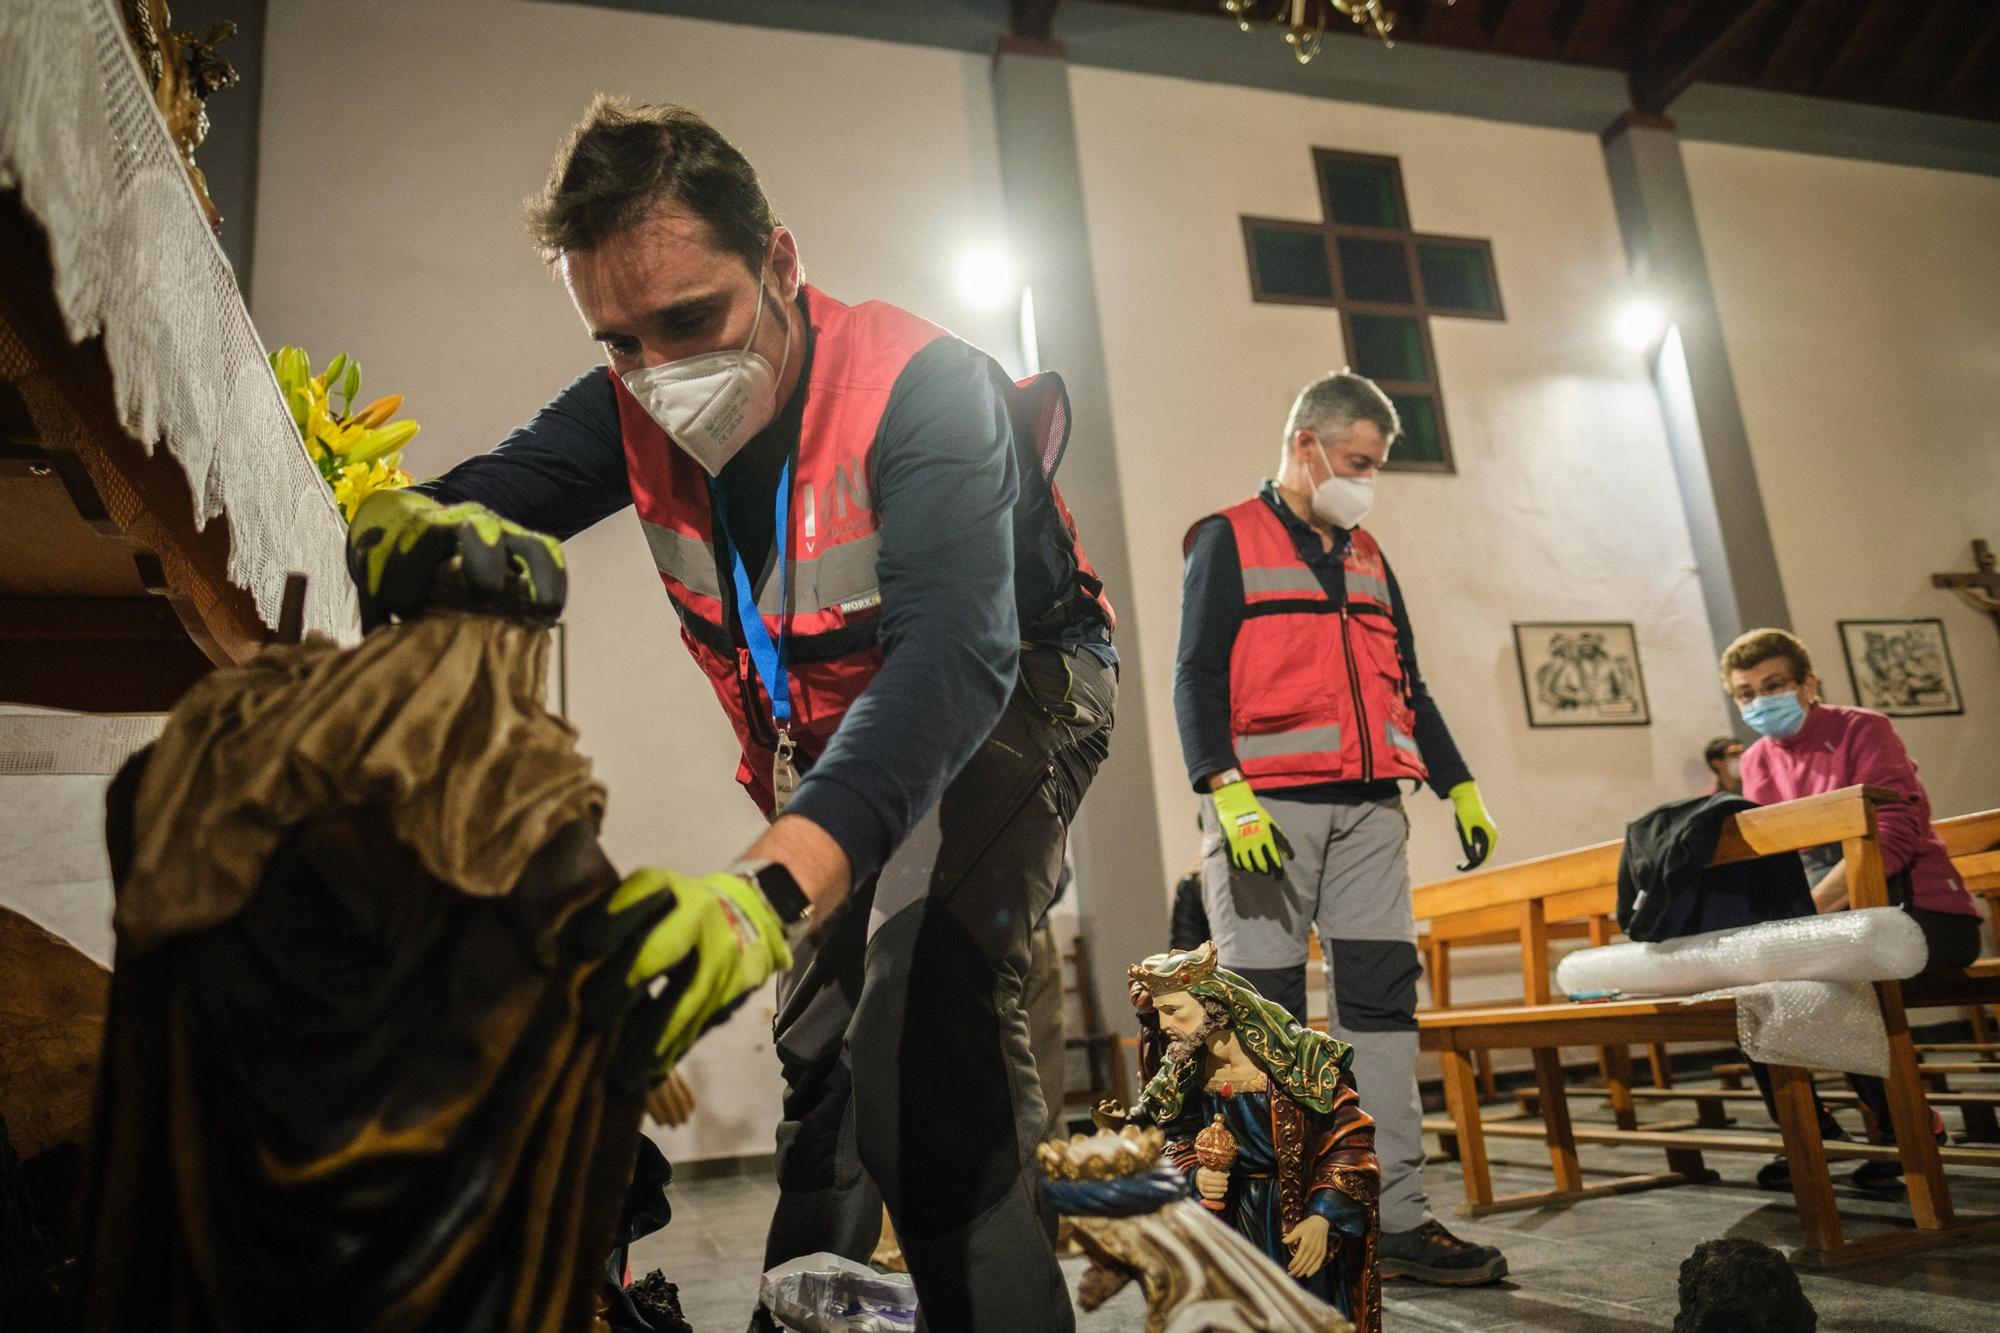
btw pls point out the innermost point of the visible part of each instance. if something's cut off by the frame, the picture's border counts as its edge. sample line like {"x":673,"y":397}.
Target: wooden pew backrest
{"x":1528,"y":896}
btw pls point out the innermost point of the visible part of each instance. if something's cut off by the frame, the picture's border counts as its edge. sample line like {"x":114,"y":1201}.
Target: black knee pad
{"x":1375,"y":984}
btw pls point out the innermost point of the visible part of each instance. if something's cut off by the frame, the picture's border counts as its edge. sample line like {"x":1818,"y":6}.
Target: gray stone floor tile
{"x":1602,"y":1266}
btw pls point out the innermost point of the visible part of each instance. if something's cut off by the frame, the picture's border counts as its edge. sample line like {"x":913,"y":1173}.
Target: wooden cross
{"x":1981,"y":589}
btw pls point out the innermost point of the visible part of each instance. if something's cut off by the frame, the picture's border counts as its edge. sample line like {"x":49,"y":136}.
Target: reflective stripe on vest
{"x":1272,"y":744}
{"x":842,"y":579}
{"x":1286,"y":582}
{"x":1360,"y":583}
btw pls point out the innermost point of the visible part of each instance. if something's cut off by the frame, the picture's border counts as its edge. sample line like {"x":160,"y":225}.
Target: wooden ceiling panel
{"x":1875,"y":42}
{"x":1943,"y":33}
{"x":1795,"y":63}
{"x":1928,"y":55}
{"x":1973,"y":87}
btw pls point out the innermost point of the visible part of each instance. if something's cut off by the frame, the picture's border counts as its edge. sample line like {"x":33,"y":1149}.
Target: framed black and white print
{"x":1581,"y":674}
{"x":1901,"y":667}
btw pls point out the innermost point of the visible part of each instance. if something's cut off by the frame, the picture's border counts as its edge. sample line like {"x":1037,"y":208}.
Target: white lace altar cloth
{"x":134,"y":261}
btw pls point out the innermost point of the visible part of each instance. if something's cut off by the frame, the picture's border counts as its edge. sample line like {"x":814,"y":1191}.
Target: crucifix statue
{"x":1981,"y":588}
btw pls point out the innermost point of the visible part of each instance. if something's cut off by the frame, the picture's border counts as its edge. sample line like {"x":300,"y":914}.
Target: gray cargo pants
{"x":1349,"y":875}
{"x":904,"y":1040}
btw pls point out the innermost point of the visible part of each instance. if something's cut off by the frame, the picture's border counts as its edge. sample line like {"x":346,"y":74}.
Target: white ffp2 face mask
{"x":1342,"y":501}
{"x":712,"y":405}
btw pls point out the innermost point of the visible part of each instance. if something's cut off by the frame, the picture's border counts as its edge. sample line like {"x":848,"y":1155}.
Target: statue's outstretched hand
{"x":672,"y":1102}
{"x":1307,"y":1242}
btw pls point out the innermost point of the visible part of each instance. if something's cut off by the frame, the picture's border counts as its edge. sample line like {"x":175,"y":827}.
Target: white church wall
{"x":1861,"y":308}
{"x":398,"y":144}
{"x":1563,"y":506}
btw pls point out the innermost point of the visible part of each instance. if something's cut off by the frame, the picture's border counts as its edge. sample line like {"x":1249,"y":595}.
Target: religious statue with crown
{"x":1262,"y":1119}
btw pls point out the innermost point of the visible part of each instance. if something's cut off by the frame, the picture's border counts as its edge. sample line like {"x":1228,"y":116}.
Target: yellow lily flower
{"x":358,"y":481}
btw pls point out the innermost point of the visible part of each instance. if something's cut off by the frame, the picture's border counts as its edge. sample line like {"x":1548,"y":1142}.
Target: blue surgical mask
{"x":1774,"y":715}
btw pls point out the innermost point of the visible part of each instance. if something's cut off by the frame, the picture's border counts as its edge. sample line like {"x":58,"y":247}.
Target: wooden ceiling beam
{"x":1779,"y":39}
{"x":1641,"y":22}
{"x":1977,"y":57}
{"x":1862,"y":62}
{"x":1690,"y":48}
{"x":1563,"y":23}
{"x":1927,"y":47}
{"x":1032,"y":20}
{"x":1866,"y":24}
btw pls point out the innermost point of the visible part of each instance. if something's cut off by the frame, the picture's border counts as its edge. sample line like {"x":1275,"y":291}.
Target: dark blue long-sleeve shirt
{"x":945,"y":482}
{"x":1211,"y":614}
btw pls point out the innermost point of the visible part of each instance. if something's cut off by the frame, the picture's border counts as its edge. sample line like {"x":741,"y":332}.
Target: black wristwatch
{"x":782,"y":891}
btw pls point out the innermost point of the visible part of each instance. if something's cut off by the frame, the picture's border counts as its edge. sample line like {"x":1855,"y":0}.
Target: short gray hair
{"x":1330,"y":407}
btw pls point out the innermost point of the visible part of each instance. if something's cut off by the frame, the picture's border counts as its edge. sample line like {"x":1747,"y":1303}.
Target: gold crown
{"x":1165,"y":973}
{"x":1103,"y":1155}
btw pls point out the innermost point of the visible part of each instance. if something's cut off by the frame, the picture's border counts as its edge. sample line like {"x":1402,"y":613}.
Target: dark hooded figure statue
{"x":384,"y":1018}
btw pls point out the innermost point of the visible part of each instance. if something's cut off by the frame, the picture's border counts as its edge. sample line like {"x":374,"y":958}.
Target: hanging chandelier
{"x":1305,"y":20}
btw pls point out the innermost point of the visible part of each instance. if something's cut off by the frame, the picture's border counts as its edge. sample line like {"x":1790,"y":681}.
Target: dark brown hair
{"x":624,"y":159}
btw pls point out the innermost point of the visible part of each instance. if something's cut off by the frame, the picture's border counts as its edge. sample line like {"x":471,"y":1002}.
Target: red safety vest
{"x":1316,"y":691}
{"x":835,"y":538}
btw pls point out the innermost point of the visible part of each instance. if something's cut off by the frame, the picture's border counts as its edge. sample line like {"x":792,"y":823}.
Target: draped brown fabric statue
{"x":371,"y":1060}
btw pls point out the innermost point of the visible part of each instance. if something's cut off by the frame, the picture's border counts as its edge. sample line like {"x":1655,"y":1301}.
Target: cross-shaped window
{"x":1365,"y":260}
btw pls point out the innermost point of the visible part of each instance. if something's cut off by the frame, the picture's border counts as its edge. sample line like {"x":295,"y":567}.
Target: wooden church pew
{"x":1541,"y":1026}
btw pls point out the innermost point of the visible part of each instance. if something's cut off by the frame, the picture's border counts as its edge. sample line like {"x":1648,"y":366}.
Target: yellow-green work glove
{"x":409,"y":554}
{"x":1475,"y":827}
{"x":718,"y":943}
{"x":1256,"y":843}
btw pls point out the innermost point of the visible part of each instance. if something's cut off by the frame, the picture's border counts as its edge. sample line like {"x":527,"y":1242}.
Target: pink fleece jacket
{"x":1839,"y":747}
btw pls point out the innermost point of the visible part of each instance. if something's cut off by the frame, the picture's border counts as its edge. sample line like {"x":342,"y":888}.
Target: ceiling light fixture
{"x":1305,"y":20}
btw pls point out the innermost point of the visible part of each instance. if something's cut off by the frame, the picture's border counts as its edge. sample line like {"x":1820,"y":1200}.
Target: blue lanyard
{"x":766,"y":656}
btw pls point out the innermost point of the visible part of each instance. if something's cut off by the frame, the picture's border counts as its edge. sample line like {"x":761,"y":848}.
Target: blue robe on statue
{"x":1252,"y":1205}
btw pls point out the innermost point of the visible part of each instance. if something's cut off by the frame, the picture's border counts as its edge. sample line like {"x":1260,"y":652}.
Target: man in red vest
{"x":1300,"y":709}
{"x":854,"y":520}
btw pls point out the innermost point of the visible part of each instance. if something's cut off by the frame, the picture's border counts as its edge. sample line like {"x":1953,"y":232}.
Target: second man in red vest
{"x":1300,"y":709}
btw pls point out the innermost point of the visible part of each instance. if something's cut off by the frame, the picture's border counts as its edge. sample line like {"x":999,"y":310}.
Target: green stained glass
{"x":1422,"y":438}
{"x":1361,"y":194}
{"x":1389,"y":347}
{"x":1456,"y":278}
{"x":1291,"y":263}
{"x":1372,"y":270}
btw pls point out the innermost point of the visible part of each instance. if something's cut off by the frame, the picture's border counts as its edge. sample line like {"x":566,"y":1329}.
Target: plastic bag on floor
{"x":824,"y":1293}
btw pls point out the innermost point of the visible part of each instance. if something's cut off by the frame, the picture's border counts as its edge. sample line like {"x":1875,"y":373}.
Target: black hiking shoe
{"x":1888,"y":1175}
{"x":1431,"y":1254}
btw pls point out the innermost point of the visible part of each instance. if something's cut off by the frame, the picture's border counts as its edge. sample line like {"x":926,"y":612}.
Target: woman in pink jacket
{"x":1806,"y":746}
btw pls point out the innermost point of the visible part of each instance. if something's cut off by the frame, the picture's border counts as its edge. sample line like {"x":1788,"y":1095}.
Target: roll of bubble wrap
{"x":1873,"y":944}
{"x":1812,"y":1024}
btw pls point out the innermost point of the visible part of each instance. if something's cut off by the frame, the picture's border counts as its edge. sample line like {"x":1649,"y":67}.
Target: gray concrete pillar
{"x":1711,"y":449}
{"x":1116,"y":843}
